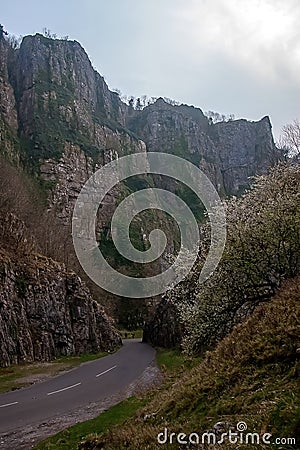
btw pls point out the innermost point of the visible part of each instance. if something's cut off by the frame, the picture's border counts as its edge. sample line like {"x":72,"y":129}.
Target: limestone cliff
{"x":163,"y":328}
{"x":69,"y":123}
{"x":59,"y":100}
{"x":228,"y":152}
{"x":59,"y":120}
{"x":45,"y":310}
{"x":9,"y":145}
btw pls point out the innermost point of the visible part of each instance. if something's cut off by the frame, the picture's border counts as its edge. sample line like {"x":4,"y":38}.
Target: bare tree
{"x":2,"y":32}
{"x":215,"y":117}
{"x":144,"y":100}
{"x":290,"y":138}
{"x":138,"y":105}
{"x":117,"y":91}
{"x":48,"y":33}
{"x":131,"y":102}
{"x":14,"y":41}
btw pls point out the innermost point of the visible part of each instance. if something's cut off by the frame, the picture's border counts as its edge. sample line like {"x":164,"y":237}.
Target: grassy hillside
{"x":252,"y":376}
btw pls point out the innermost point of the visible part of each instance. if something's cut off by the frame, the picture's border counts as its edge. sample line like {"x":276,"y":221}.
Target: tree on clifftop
{"x":2,"y":32}
{"x":290,"y":138}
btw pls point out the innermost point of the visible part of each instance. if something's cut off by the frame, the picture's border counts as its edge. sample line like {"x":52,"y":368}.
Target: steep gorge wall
{"x":61,"y":101}
{"x":69,"y":122}
{"x":58,"y":114}
{"x":45,"y":310}
{"x":9,"y":146}
{"x":62,"y":98}
{"x":228,"y":152}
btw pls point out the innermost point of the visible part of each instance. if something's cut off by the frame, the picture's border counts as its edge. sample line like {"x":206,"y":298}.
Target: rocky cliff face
{"x":228,"y":152}
{"x":58,"y":117}
{"x":59,"y":100}
{"x":69,"y":122}
{"x":8,"y":112}
{"x":46,"y":311}
{"x":163,"y":328}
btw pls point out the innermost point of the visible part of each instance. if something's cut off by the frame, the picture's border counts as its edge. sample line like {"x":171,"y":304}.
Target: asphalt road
{"x":65,"y":393}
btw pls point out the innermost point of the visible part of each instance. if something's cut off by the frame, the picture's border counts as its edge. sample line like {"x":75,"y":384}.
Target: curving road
{"x":90,"y":382}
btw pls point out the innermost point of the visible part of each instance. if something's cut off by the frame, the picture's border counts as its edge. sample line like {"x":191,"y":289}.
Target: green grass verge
{"x":21,"y":375}
{"x":70,"y":438}
{"x":136,"y":334}
{"x":85,"y":357}
{"x":171,"y":360}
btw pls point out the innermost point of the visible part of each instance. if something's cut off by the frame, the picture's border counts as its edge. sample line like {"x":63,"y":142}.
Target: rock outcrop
{"x":163,"y":328}
{"x":9,"y":146}
{"x":47,"y":312}
{"x":61,"y":98}
{"x":228,"y":152}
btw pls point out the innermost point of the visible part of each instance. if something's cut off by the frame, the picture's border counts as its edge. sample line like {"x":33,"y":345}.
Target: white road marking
{"x":8,"y":404}
{"x":108,"y":370}
{"x":64,"y":389}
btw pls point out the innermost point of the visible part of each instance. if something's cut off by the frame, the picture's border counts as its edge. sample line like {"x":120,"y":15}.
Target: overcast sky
{"x":229,"y":56}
